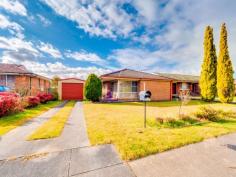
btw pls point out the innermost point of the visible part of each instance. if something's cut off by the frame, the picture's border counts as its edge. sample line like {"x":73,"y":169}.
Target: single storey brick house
{"x":183,"y":82}
{"x":126,"y":84}
{"x":19,"y":79}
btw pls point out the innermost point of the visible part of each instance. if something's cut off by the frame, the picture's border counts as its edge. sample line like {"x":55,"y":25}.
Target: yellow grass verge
{"x":54,"y":126}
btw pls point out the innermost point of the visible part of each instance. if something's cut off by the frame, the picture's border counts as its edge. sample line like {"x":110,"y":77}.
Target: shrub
{"x":9,"y":103}
{"x":170,"y":122}
{"x":33,"y":101}
{"x":160,"y":120}
{"x":208,"y":113}
{"x":54,"y":93}
{"x":93,"y":88}
{"x":44,"y":97}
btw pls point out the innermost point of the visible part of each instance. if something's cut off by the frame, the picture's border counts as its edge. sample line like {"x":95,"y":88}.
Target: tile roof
{"x":128,"y":73}
{"x":17,"y":69}
{"x":13,"y":68}
{"x":180,"y":77}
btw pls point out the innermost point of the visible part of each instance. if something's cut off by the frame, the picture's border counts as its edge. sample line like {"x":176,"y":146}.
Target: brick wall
{"x":161,"y":90}
{"x":23,"y":83}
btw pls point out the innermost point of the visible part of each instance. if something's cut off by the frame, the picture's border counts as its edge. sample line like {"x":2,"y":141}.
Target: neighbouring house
{"x":183,"y":82}
{"x":126,"y":84}
{"x":71,"y":89}
{"x":19,"y":79}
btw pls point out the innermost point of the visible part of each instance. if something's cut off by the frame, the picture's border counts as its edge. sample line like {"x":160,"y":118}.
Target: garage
{"x":70,"y":89}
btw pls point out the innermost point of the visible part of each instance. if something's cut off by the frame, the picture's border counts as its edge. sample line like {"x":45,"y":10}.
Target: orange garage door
{"x":72,"y":91}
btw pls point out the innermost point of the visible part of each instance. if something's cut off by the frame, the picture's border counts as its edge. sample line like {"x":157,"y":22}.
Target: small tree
{"x":225,"y":80}
{"x":55,"y":80}
{"x":93,"y":88}
{"x":208,"y":73}
{"x":54,"y":87}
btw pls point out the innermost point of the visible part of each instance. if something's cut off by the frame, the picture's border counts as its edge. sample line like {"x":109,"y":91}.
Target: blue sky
{"x":73,"y":38}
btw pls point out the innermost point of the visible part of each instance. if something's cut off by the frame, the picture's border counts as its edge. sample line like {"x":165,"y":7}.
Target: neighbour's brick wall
{"x":161,"y":90}
{"x":23,"y":82}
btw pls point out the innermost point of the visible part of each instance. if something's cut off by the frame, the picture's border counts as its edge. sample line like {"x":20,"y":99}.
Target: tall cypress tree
{"x":208,"y":76}
{"x":225,"y":80}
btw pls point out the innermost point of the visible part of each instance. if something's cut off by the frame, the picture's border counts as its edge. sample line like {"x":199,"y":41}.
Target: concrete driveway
{"x":14,"y":143}
{"x":212,"y":158}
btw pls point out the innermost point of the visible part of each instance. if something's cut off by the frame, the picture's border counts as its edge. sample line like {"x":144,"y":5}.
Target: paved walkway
{"x":212,"y":158}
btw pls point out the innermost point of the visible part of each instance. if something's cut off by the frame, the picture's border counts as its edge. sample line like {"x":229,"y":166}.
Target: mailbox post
{"x":145,"y":96}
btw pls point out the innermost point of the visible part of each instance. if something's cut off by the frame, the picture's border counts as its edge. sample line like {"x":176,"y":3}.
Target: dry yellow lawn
{"x":122,"y":125}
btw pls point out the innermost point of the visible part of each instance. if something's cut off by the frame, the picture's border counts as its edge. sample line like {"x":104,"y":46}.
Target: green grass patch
{"x":122,"y":125}
{"x":54,"y":126}
{"x":12,"y":121}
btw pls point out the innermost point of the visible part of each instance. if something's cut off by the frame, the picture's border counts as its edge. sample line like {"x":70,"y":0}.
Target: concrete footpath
{"x":211,"y":158}
{"x":99,"y":161}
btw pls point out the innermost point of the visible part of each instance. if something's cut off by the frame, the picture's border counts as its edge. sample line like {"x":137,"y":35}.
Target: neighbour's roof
{"x":13,"y":68}
{"x":128,"y":73}
{"x":180,"y":77}
{"x":16,"y":69}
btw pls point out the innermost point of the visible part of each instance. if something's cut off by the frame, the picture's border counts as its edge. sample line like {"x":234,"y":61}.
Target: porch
{"x":178,"y":86}
{"x":115,"y":90}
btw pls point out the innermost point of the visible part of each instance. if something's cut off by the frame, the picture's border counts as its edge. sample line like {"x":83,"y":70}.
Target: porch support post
{"x":6,"y":81}
{"x":118,"y":89}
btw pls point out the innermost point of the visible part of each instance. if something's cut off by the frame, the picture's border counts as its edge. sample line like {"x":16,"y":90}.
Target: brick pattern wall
{"x":23,"y":83}
{"x":161,"y":90}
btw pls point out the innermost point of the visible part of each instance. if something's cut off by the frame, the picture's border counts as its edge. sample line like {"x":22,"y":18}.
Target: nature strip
{"x":54,"y":126}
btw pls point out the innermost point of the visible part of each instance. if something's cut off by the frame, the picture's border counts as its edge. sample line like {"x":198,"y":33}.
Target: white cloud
{"x":50,"y":49}
{"x":44,"y":20}
{"x":58,"y":68}
{"x":178,"y":45}
{"x":13,"y":27}
{"x":14,"y":6}
{"x":100,"y":18}
{"x":17,"y":44}
{"x":148,"y":9}
{"x":83,"y":56}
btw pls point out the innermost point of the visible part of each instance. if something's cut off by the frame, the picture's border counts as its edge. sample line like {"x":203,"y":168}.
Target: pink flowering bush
{"x":33,"y":101}
{"x":9,"y":103}
{"x":45,"y":97}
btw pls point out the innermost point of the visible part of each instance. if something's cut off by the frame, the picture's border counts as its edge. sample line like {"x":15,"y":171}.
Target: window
{"x":11,"y":81}
{"x":3,"y":80}
{"x":184,"y":86}
{"x":128,"y":86}
{"x":134,"y":86}
{"x":125,"y":86}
